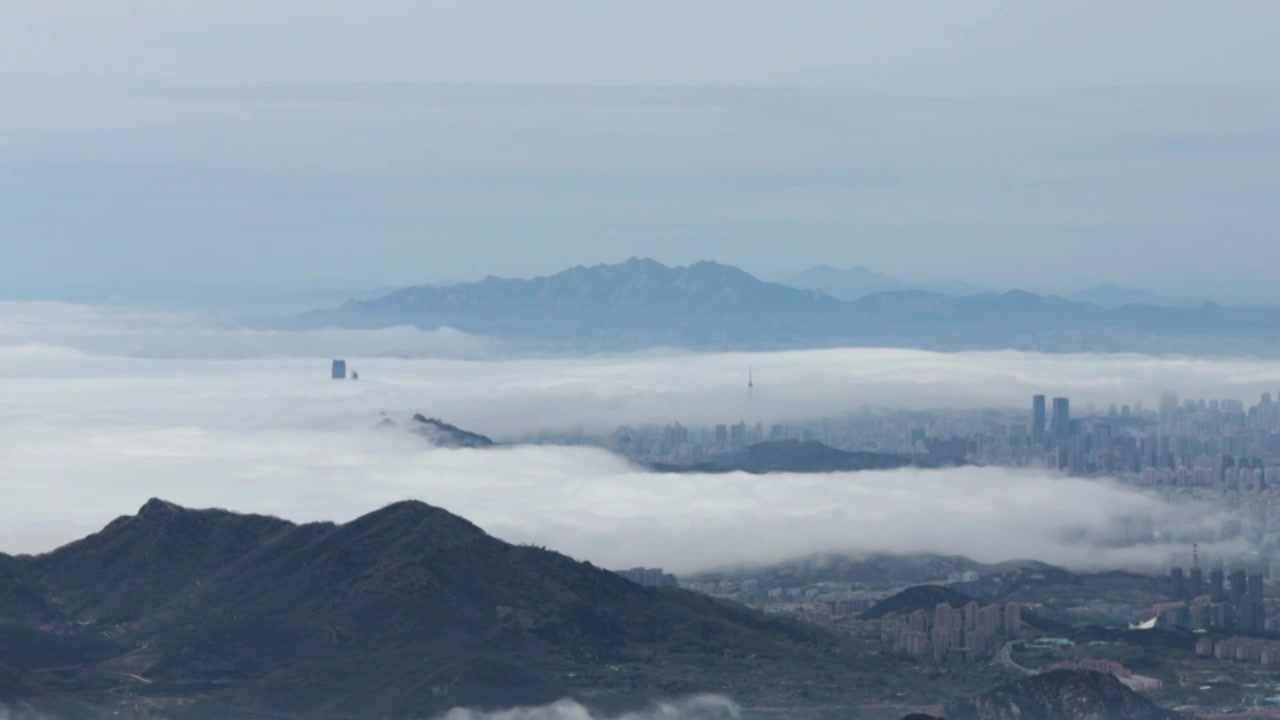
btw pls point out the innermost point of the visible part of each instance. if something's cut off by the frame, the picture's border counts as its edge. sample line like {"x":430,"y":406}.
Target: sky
{"x":99,"y":416}
{"x":165,"y":150}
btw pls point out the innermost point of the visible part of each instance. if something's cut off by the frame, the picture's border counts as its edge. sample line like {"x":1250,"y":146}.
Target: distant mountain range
{"x":403,"y":613}
{"x":880,"y":568}
{"x":858,"y":282}
{"x":1110,"y":295}
{"x":708,"y":306}
{"x":854,"y":283}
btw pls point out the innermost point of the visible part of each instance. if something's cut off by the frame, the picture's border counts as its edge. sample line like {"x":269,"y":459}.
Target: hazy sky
{"x":149,"y":146}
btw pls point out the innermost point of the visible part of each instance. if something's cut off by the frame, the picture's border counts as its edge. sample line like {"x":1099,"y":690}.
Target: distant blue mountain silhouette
{"x":642,"y":303}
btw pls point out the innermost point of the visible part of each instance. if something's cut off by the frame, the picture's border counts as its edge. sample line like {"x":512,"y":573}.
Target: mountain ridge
{"x":1061,"y":695}
{"x":406,"y":611}
{"x":642,"y":303}
{"x":855,"y":282}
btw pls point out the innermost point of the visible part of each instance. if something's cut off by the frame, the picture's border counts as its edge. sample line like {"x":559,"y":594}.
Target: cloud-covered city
{"x":90,"y":433}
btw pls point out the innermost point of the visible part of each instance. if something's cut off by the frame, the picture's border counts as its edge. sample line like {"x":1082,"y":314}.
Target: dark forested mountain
{"x":885,"y":569}
{"x":802,"y":456}
{"x":19,"y":597}
{"x":443,"y":434}
{"x":643,"y":303}
{"x":1061,"y":695}
{"x":918,"y":597}
{"x":405,"y":612}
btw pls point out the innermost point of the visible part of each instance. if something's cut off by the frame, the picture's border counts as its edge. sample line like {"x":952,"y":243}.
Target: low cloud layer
{"x":585,"y":502}
{"x":87,"y":437}
{"x":180,"y":367}
{"x":698,"y":707}
{"x":123,"y":331}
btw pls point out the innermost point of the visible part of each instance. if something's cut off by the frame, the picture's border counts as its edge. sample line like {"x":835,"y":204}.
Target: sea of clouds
{"x":103,"y":409}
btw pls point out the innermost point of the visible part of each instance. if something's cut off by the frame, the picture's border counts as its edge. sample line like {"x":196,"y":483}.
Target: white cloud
{"x":87,"y":437}
{"x":585,"y":502}
{"x":698,"y":707}
{"x":122,"y":331}
{"x":60,"y":361}
{"x":22,"y":712}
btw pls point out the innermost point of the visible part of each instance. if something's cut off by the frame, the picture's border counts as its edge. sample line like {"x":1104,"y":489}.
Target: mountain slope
{"x":1061,"y":695}
{"x":442,"y":434}
{"x":1110,"y":295}
{"x":404,"y":612}
{"x":858,"y":282}
{"x":149,"y":563}
{"x":918,"y":597}
{"x":638,"y":303}
{"x":845,"y":283}
{"x":800,"y":456}
{"x":643,"y":303}
{"x":19,"y":597}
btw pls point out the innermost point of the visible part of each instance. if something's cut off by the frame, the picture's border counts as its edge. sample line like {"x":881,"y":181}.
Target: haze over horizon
{"x":243,"y":149}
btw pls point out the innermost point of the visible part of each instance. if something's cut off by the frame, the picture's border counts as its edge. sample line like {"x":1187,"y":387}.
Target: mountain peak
{"x":1062,"y":695}
{"x":406,"y":519}
{"x":635,"y":261}
{"x":156,"y":505}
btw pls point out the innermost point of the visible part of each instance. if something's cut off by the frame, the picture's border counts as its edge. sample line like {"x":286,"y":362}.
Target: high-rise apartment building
{"x":1061,"y":416}
{"x":1038,"y":417}
{"x":1239,"y":587}
{"x":1255,"y":587}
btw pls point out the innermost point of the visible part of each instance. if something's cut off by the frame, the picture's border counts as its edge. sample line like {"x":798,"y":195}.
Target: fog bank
{"x":89,"y":435}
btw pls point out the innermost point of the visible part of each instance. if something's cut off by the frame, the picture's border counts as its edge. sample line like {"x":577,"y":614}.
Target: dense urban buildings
{"x":649,"y":577}
{"x":1243,"y":608}
{"x":1193,"y":443}
{"x":1219,"y":453}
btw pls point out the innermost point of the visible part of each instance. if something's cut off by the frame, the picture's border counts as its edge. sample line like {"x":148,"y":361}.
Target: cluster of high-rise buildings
{"x":1240,"y":649}
{"x":649,"y":577}
{"x":948,"y":633}
{"x":1220,"y":451}
{"x":1216,"y":601}
{"x":1191,"y":442}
